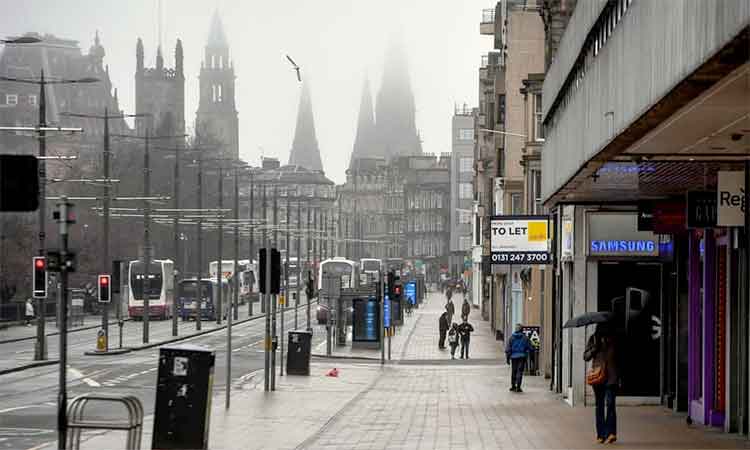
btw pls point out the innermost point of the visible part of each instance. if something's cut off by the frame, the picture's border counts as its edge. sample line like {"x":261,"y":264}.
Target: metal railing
{"x":77,"y":421}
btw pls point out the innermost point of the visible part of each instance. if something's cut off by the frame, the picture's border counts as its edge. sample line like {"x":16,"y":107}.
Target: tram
{"x":347,"y":272}
{"x":201,"y":299}
{"x":159,"y":289}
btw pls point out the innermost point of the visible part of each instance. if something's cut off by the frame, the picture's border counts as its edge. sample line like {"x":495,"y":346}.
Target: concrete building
{"x":217,"y":112}
{"x":462,"y":190}
{"x":519,"y":41}
{"x":644,"y":153}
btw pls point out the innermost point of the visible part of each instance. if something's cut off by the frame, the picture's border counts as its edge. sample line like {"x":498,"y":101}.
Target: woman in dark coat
{"x":601,"y":348}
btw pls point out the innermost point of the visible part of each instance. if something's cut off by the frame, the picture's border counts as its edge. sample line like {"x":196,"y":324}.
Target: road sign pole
{"x":381,"y":299}
{"x":62,"y":397}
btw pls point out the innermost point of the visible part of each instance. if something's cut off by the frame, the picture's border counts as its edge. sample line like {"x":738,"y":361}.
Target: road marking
{"x":17,"y":408}
{"x":91,"y":382}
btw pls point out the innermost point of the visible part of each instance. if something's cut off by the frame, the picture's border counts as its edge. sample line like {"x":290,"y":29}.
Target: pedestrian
{"x":516,"y":352}
{"x":453,"y":339}
{"x":443,"y":324}
{"x":450,"y":308}
{"x":465,"y":309}
{"x":464,"y":332}
{"x":29,"y":312}
{"x":604,"y":378}
{"x":449,"y":292}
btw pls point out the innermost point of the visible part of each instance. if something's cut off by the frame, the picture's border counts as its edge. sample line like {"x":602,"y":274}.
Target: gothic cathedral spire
{"x":305,"y":151}
{"x":364,"y":142}
{"x":217,"y":113}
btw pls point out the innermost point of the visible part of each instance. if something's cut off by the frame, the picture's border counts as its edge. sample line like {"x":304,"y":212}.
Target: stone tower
{"x":395,"y":111}
{"x":160,"y":91}
{"x":217,"y":114}
{"x":305,"y":151}
{"x":364,"y":142}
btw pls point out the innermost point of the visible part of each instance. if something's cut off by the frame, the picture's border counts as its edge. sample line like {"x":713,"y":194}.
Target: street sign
{"x":701,"y":209}
{"x":520,"y":240}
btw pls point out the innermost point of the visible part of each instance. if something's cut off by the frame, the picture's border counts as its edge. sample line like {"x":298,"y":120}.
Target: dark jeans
{"x":453,"y":349}
{"x":517,"y":367}
{"x":606,"y":423}
{"x":441,"y":341}
{"x":464,"y":348}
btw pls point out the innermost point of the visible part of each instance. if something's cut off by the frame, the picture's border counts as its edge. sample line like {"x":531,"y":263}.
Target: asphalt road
{"x":28,"y":408}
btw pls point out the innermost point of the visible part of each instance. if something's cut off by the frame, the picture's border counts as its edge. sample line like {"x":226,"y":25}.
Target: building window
{"x":32,"y":100}
{"x":464,"y":242}
{"x":516,"y":203}
{"x":464,"y":216}
{"x":11,"y":99}
{"x":538,"y":127}
{"x":466,"y":134}
{"x":466,"y":165}
{"x":465,"y":191}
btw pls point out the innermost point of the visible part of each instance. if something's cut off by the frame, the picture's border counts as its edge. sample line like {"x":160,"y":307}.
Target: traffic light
{"x":309,"y":288}
{"x":19,"y":183}
{"x":389,"y":288}
{"x":275,"y":287}
{"x":398,"y":288}
{"x":105,"y":288}
{"x":39,"y":276}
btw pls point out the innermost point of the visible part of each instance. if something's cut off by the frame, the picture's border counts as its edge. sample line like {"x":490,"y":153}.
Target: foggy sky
{"x":336,"y":42}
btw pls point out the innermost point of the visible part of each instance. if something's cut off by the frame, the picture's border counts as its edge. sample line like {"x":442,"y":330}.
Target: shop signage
{"x":669,"y":217}
{"x":730,"y":197}
{"x":616,"y":234}
{"x":701,"y":209}
{"x":567,"y":235}
{"x":646,"y":215}
{"x":411,"y":292}
{"x":520,"y":240}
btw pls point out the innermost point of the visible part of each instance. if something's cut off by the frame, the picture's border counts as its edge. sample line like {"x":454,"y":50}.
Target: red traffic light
{"x":39,"y":263}
{"x":103,"y":280}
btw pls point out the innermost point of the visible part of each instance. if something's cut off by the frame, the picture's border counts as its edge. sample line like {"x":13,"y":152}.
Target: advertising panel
{"x":520,"y":240}
{"x":366,"y":320}
{"x":411,"y":292}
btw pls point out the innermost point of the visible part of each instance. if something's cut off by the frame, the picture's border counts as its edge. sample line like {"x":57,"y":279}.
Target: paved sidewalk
{"x":417,"y":339}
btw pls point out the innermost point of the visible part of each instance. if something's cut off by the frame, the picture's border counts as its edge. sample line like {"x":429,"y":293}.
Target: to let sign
{"x":520,"y":240}
{"x":730,"y":197}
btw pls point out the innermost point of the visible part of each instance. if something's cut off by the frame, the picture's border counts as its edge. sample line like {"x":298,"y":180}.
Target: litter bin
{"x":183,"y":397}
{"x":298,"y":353}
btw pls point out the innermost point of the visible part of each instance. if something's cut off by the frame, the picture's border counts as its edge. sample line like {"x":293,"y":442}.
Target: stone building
{"x":160,"y":91}
{"x":217,"y":112}
{"x":461,"y":185}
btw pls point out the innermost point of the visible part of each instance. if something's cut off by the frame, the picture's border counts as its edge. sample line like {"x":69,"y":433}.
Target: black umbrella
{"x":589,"y":318}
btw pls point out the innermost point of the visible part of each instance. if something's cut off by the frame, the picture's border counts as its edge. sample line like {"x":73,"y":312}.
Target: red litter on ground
{"x":333,"y":372}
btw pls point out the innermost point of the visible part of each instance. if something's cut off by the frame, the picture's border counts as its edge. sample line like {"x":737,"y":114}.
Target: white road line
{"x":91,"y":382}
{"x":17,"y":408}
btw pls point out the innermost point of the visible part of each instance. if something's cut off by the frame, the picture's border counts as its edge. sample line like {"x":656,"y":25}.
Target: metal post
{"x":41,"y":340}
{"x":228,"y":381}
{"x":253,"y":253}
{"x":299,"y":264}
{"x":146,"y":240}
{"x":199,"y":243}
{"x":105,"y":249}
{"x":176,"y":231}
{"x":286,"y":281}
{"x":219,"y":275}
{"x":62,"y":396}
{"x":263,"y":304}
{"x":309,"y":264}
{"x":275,"y":297}
{"x":266,"y":299}
{"x":237,"y":275}
{"x":381,"y":300}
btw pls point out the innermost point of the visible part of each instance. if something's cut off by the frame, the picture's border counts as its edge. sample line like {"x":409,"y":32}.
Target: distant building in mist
{"x":305,"y":151}
{"x":160,"y":91}
{"x":217,"y":113}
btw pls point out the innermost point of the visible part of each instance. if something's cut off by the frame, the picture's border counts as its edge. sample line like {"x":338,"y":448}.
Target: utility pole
{"x":266,"y":297}
{"x":219,"y":268}
{"x":236,"y":308}
{"x":62,"y":396}
{"x":309,"y":264}
{"x":199,"y":240}
{"x":266,"y":240}
{"x":253,"y":253}
{"x":299,"y":263}
{"x":146,"y":239}
{"x":286,"y":277}
{"x":176,"y":231}
{"x":275,"y":299}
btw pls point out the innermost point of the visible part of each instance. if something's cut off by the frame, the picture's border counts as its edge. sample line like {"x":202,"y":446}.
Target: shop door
{"x":639,"y":336}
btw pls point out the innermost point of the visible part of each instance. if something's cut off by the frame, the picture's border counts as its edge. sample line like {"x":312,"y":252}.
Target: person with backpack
{"x":465,"y":309}
{"x":516,"y":352}
{"x":603,"y":377}
{"x":453,"y":339}
{"x":464,"y":332}
{"x":450,"y":308}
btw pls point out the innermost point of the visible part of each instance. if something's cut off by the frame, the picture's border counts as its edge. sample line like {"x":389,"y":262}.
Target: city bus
{"x":189,"y":299}
{"x":159,"y":289}
{"x":347,"y":273}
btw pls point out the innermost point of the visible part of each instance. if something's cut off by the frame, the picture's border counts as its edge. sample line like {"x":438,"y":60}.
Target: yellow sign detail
{"x":537,"y":231}
{"x":282,"y":300}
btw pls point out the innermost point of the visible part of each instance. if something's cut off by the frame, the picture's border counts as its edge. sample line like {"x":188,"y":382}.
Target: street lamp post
{"x":40,"y":351}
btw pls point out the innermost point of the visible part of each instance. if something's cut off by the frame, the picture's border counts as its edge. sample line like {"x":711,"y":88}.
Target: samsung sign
{"x":622,"y":246}
{"x":616,"y":234}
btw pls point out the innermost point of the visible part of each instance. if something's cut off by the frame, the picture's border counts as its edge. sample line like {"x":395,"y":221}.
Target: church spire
{"x":305,"y":151}
{"x":216,"y":35}
{"x":395,"y":110}
{"x":364,"y":142}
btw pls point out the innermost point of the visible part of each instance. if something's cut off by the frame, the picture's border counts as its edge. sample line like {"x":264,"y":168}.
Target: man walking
{"x":450,"y":308}
{"x":29,"y":312}
{"x":465,"y":309}
{"x":444,"y":324}
{"x":516,"y":352}
{"x":464,"y":331}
